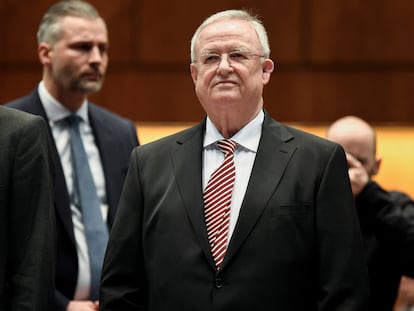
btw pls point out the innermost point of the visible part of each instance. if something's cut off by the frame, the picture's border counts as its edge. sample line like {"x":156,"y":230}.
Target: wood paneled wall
{"x":333,"y":57}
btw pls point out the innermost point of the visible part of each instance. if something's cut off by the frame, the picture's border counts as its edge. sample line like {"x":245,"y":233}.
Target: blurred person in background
{"x":386,"y":217}
{"x":91,"y":146}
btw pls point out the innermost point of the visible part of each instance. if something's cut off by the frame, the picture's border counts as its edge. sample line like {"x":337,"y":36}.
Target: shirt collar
{"x":247,"y":137}
{"x":55,"y":111}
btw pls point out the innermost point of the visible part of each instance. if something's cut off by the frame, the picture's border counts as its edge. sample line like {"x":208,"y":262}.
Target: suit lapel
{"x":187,"y":162}
{"x":34,"y":105}
{"x":272,"y":157}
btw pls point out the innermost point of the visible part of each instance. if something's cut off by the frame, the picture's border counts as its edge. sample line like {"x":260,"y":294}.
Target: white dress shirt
{"x":56,"y":113}
{"x":247,"y":140}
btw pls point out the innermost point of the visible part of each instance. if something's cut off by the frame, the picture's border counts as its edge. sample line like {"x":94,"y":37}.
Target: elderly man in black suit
{"x":91,"y":146}
{"x":239,"y":212}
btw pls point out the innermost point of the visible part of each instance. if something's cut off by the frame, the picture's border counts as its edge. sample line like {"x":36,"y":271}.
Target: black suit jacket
{"x":115,"y":138}
{"x":387,"y":225}
{"x":296,"y":245}
{"x":27,"y":245}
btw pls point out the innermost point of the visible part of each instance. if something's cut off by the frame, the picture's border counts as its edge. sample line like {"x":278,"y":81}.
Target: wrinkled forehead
{"x":228,"y":34}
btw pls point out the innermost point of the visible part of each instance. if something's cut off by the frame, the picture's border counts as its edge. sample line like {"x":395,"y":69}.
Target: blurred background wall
{"x":333,"y":57}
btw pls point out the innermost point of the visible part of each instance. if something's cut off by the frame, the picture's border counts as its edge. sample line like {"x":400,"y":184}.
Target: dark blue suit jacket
{"x":115,"y":138}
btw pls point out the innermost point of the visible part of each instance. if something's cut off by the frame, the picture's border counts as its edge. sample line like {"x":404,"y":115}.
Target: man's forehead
{"x":358,"y":145}
{"x":77,"y":23}
{"x":227,"y":28}
{"x":228,"y":34}
{"x":81,"y":28}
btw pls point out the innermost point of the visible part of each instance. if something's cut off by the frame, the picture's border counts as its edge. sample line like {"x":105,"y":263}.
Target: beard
{"x":86,"y":86}
{"x":80,"y":82}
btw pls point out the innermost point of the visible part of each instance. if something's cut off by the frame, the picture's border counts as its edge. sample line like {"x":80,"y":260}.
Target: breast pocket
{"x":295,"y":209}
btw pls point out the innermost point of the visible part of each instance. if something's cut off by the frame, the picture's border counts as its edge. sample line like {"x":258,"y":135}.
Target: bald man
{"x":386,"y":218}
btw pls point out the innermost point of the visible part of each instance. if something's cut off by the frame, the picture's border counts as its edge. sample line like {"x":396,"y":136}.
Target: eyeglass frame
{"x":246,"y":54}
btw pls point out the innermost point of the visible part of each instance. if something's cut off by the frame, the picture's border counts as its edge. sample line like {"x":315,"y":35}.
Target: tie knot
{"x":227,"y":146}
{"x":73,"y":120}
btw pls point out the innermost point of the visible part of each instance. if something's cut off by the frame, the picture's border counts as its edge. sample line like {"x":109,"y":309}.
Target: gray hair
{"x":50,"y":30}
{"x":254,"y":21}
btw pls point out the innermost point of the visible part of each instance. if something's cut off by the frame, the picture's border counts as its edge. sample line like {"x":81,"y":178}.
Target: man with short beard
{"x":72,"y":47}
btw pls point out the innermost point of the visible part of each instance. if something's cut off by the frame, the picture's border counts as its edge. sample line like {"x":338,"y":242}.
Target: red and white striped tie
{"x":217,"y":201}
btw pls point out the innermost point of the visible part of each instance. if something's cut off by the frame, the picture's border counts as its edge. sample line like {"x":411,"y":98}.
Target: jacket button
{"x":218,"y":283}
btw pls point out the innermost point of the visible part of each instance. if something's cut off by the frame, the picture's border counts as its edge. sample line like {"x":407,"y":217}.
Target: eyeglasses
{"x":234,"y":58}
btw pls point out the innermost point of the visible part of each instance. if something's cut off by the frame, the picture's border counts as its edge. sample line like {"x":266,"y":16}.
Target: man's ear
{"x":194,"y":72}
{"x":378,"y":162}
{"x":44,"y":52}
{"x":268,"y":66}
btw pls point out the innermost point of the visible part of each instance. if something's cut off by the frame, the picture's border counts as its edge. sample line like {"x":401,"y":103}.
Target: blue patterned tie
{"x":86,"y":199}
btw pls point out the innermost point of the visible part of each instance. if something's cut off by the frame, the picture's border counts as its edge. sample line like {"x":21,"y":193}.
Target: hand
{"x":357,"y":175}
{"x":406,"y":291}
{"x":82,"y":305}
